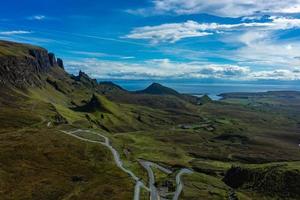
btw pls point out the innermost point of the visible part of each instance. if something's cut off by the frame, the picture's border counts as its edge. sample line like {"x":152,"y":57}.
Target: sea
{"x":212,"y":89}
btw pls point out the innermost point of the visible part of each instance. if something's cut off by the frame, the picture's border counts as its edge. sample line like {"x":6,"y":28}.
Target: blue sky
{"x":163,"y":39}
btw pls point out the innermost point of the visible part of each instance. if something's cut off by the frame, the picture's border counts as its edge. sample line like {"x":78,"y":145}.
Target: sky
{"x":163,"y":39}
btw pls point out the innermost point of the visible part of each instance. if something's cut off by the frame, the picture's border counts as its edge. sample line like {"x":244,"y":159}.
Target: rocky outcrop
{"x":40,"y":58}
{"x":20,"y":71}
{"x":85,"y":79}
{"x":52,"y":59}
{"x":27,"y":68}
{"x":60,"y":63}
{"x":93,"y":105}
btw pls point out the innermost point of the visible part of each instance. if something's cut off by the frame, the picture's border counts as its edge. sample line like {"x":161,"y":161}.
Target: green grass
{"x":255,"y":133}
{"x":14,"y":49}
{"x":32,"y":153}
{"x":69,"y":114}
{"x":202,"y":186}
{"x":143,"y":145}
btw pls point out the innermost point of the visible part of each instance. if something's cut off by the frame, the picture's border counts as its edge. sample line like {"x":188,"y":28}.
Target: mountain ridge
{"x":25,"y":66}
{"x":44,"y":77}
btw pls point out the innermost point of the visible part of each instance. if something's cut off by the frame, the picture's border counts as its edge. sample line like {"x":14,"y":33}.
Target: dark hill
{"x":205,"y":99}
{"x":158,"y":89}
{"x":94,"y":105}
{"x":108,"y":87}
{"x":111,"y":84}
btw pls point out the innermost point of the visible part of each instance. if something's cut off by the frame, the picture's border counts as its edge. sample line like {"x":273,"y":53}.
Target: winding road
{"x":147,"y":165}
{"x":118,"y":161}
{"x":179,"y":182}
{"x":154,"y":195}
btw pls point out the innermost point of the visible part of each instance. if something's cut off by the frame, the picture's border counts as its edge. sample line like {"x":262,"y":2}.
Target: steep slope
{"x":115,"y":117}
{"x":85,"y":79}
{"x":65,"y":98}
{"x":37,"y":161}
{"x":38,"y":99}
{"x":94,"y":105}
{"x":24,"y":65}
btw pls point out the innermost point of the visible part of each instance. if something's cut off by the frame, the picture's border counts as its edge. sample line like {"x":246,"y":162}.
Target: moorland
{"x":244,"y":146}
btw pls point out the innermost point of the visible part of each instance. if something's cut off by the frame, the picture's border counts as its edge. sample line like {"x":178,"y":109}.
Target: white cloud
{"x":168,"y":32}
{"x":251,"y":37}
{"x":10,"y":33}
{"x":251,"y":18}
{"x":291,"y":9}
{"x":173,"y":32}
{"x":164,"y":68}
{"x":269,"y":54}
{"x":280,"y":74}
{"x":155,"y":68}
{"x":224,"y":8}
{"x":260,"y":48}
{"x":127,"y":57}
{"x":37,"y":17}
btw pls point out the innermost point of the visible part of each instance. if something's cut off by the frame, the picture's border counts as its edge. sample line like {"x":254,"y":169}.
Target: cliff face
{"x":27,"y":66}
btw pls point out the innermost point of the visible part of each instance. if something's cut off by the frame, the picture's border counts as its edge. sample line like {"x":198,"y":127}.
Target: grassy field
{"x":225,"y":134}
{"x":45,"y":164}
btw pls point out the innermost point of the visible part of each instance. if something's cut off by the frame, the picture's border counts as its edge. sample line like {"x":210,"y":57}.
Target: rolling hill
{"x":228,"y":144}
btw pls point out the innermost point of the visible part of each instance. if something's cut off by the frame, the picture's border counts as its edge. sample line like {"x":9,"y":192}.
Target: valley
{"x":66,"y":137}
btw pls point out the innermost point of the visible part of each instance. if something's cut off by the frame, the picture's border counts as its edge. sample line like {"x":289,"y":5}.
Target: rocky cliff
{"x":25,"y":65}
{"x":85,"y":79}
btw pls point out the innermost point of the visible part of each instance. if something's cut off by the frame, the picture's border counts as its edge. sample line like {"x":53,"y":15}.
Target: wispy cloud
{"x":168,"y":32}
{"x":268,"y":53}
{"x":127,"y":57}
{"x":37,"y":17}
{"x":91,"y":54}
{"x":225,"y":8}
{"x":10,"y":33}
{"x":174,"y":32}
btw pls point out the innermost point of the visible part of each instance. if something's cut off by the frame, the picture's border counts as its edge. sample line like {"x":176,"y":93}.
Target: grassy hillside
{"x":40,"y":163}
{"x":252,"y":134}
{"x":15,"y":49}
